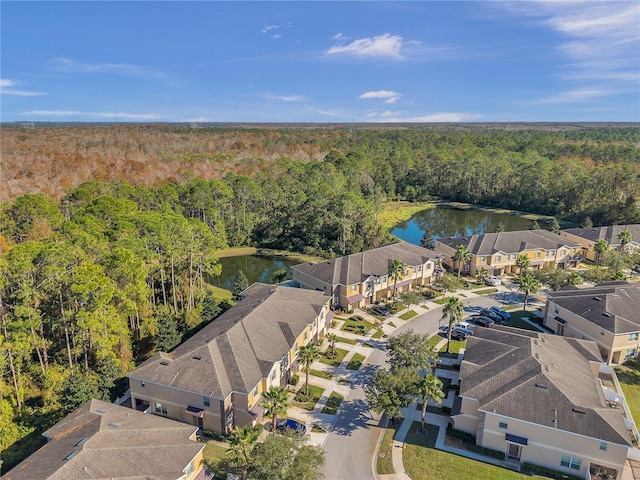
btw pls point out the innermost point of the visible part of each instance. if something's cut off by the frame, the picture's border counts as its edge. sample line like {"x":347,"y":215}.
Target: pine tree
{"x":240,"y":284}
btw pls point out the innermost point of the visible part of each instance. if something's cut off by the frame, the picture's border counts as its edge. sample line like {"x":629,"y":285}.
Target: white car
{"x":463,"y":327}
{"x":493,"y":281}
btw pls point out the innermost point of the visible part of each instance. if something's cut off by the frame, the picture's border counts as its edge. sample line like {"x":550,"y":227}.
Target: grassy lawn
{"x":391,"y":324}
{"x":379,"y":333}
{"x":397,"y":307}
{"x":422,"y":461}
{"x":321,"y":374}
{"x":384,"y":464}
{"x":517,"y":322}
{"x":307,"y":402}
{"x":630,"y":382}
{"x":331,"y":408}
{"x":220,"y":293}
{"x":408,"y":315}
{"x":212,"y":455}
{"x":328,"y":360}
{"x":347,"y":340}
{"x":355,"y":362}
{"x":485,"y":291}
{"x":454,"y":346}
{"x":360,"y":327}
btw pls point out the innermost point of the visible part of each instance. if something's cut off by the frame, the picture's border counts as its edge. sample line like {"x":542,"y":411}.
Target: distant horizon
{"x":358,"y":62}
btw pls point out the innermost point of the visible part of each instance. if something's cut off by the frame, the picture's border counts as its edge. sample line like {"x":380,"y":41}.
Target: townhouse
{"x":360,"y":279}
{"x":544,"y":400}
{"x":587,"y":238}
{"x":102,"y":440}
{"x":498,"y":252}
{"x":608,"y":314}
{"x":215,"y":379}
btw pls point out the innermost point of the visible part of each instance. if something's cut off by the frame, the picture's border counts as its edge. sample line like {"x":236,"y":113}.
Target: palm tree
{"x":242,"y":441}
{"x":624,"y":237}
{"x":276,"y":402}
{"x":523,"y":263}
{"x":600,"y":247}
{"x":307,"y":355}
{"x":427,"y":387}
{"x":396,"y":269}
{"x":482,"y":274}
{"x":453,"y":310}
{"x":528,"y":285}
{"x":333,"y":338}
{"x":462,"y":256}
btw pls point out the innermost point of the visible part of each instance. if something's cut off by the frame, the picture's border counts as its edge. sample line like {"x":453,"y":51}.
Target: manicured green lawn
{"x":455,"y":346}
{"x":517,"y":322}
{"x":630,"y":382}
{"x":328,"y":360}
{"x":307,"y":402}
{"x":212,"y":456}
{"x":332,"y":405}
{"x":384,"y":465}
{"x":360,"y":327}
{"x":379,"y":333}
{"x":391,"y":324}
{"x":408,"y":315}
{"x":321,"y":374}
{"x":220,"y":293}
{"x":348,"y":341}
{"x":422,"y":461}
{"x":355,"y":362}
{"x":485,"y":291}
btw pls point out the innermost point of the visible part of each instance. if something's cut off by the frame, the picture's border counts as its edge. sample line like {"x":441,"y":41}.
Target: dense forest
{"x":96,"y":275}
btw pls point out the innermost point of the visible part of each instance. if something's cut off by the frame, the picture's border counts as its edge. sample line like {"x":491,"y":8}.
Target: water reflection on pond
{"x":450,"y":222}
{"x":257,"y":269}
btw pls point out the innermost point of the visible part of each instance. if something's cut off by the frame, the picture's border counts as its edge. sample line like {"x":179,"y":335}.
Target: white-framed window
{"x":273,"y":375}
{"x":483,"y":259}
{"x":160,"y":408}
{"x":383,"y":279}
{"x":603,"y":446}
{"x":556,"y":309}
{"x":305,"y":335}
{"x":189,"y":469}
{"x":206,"y":401}
{"x":563,"y":253}
{"x":630,"y":353}
{"x":570,"y":462}
{"x":498,"y":258}
{"x":142,"y":384}
{"x":537,"y":254}
{"x":633,"y":336}
{"x":255,"y":391}
{"x":503,"y":425}
{"x":553,"y":253}
{"x":419,"y":268}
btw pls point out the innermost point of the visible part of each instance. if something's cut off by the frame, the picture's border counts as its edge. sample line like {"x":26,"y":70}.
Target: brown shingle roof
{"x":536,"y":377}
{"x":613,"y":307}
{"x":111,"y":442}
{"x":355,"y":268}
{"x":609,"y":233}
{"x":238,"y":348}
{"x":510,"y":242}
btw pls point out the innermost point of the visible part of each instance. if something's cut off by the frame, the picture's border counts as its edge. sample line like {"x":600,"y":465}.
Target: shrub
{"x":294,"y":380}
{"x":357,"y":318}
{"x":546,"y":472}
{"x":470,"y":444}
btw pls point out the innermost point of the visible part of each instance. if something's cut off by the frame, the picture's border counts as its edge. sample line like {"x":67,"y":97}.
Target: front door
{"x":514,"y":451}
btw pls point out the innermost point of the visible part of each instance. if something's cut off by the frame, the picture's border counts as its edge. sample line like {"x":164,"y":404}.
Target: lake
{"x":444,"y":221}
{"x":257,"y":269}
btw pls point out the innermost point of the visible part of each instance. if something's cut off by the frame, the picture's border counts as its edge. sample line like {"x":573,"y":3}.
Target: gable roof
{"x":510,"y":242}
{"x":612,"y":306}
{"x":111,"y":441}
{"x":357,"y":267}
{"x":239,"y":348}
{"x":609,"y":233}
{"x":507,"y":369}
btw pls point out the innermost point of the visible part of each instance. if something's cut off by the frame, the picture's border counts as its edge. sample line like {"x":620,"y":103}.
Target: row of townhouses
{"x":543,"y":399}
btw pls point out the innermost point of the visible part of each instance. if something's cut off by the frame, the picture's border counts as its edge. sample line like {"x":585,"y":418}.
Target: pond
{"x":444,"y":221}
{"x":256,"y":268}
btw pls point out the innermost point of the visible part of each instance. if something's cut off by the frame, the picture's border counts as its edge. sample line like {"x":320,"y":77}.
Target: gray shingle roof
{"x":238,"y":348}
{"x":609,"y":233}
{"x":140,"y":447}
{"x":509,"y":242}
{"x":536,"y":377}
{"x":614,"y":307}
{"x":355,"y":268}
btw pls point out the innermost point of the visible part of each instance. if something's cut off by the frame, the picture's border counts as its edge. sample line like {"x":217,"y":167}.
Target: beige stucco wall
{"x":546,"y":445}
{"x":587,"y":246}
{"x":196,"y":464}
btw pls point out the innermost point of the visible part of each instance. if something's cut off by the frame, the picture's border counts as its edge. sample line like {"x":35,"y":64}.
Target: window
{"x":206,"y":401}
{"x":273,"y":375}
{"x":633,"y":336}
{"x":573,"y":463}
{"x":503,"y":425}
{"x":383,"y":279}
{"x":557,"y":309}
{"x":255,"y":391}
{"x":498,"y":258}
{"x":603,"y":446}
{"x":630,"y":353}
{"x":563,"y":253}
{"x":305,"y":335}
{"x":142,"y":384}
{"x":419,"y":268}
{"x":160,"y":408}
{"x":537,"y":254}
{"x":189,"y":469}
{"x":553,"y":253}
{"x":483,"y":259}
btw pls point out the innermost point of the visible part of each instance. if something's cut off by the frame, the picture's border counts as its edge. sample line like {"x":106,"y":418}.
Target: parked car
{"x":503,"y":313}
{"x":493,"y":280}
{"x":287,"y":423}
{"x":487,"y":312}
{"x":443,"y":328}
{"x":482,"y":321}
{"x":466,"y":325}
{"x":456,"y":335}
{"x":463,"y":327}
{"x":380,"y":310}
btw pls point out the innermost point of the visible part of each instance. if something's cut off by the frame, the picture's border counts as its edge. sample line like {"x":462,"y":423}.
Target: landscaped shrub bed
{"x":469,"y":442}
{"x":546,"y":472}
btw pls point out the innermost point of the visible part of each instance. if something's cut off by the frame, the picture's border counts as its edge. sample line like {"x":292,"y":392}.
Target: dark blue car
{"x":283,"y":424}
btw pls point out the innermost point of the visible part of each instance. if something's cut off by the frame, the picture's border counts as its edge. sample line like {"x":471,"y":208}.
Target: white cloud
{"x":448,"y":117}
{"x":286,"y":98}
{"x":389,"y":95}
{"x":269,"y":28}
{"x":338,"y":36}
{"x":579,"y":95}
{"x":385,"y":45}
{"x":5,"y":89}
{"x":52,"y":113}
{"x":68,"y":65}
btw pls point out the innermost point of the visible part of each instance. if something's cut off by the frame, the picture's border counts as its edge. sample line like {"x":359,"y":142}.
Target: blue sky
{"x":449,"y":61}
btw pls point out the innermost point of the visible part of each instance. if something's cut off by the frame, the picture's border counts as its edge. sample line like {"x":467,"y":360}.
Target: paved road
{"x":350,"y":447}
